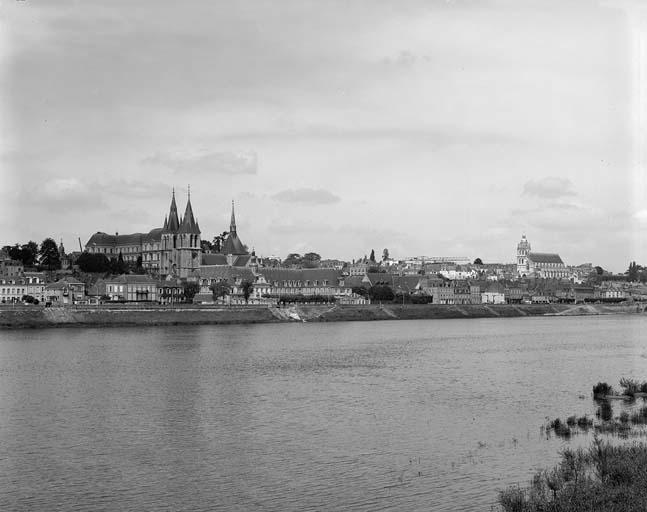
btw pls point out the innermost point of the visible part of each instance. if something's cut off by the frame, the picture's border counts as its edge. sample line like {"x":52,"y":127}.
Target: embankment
{"x":125,"y":315}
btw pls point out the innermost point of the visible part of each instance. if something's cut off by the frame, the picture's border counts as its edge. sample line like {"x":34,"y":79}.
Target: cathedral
{"x":173,"y":250}
{"x":545,"y":265}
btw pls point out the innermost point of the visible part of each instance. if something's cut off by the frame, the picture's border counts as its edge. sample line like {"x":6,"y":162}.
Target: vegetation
{"x":478,"y":261}
{"x":25,"y":253}
{"x":247,"y":288}
{"x":220,"y":289}
{"x":604,"y":477}
{"x":29,"y":299}
{"x":190,"y":290}
{"x":49,"y":255}
{"x":385,"y":254}
{"x":381,"y":293}
{"x":91,"y":262}
{"x":602,"y":389}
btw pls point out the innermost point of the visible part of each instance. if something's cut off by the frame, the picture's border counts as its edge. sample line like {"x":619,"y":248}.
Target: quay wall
{"x":143,"y":315}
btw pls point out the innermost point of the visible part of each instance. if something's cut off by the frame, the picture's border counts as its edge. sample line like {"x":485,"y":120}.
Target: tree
{"x":360,"y":290}
{"x":293,"y":259}
{"x":632,"y":272}
{"x":139,"y":261}
{"x":311,"y":260}
{"x":190,"y":290}
{"x":478,"y":261}
{"x":49,"y":256}
{"x":90,"y":262}
{"x":219,"y":240}
{"x":247,"y":287}
{"x":385,"y":254}
{"x":220,"y":289}
{"x":372,"y":256}
{"x":599,"y":270}
{"x":381,"y":292}
{"x":206,"y":246}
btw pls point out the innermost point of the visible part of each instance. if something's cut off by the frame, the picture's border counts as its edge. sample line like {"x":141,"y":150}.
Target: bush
{"x":603,"y":389}
{"x":629,"y":386}
{"x":604,"y":477}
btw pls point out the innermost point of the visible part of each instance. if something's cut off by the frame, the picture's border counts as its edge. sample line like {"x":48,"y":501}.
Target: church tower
{"x":233,"y":246}
{"x":168,"y":263}
{"x":188,"y":251}
{"x":523,"y":249}
{"x":180,"y":254}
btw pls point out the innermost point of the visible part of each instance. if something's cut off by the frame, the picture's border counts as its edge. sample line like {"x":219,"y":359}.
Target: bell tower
{"x":523,"y":249}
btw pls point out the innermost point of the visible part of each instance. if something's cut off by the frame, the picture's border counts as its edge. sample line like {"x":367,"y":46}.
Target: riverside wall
{"x":140,"y":315}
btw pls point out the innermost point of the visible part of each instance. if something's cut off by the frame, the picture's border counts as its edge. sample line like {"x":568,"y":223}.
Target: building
{"x":493,"y":294}
{"x":65,"y":291}
{"x":132,"y":288}
{"x":174,"y":249}
{"x":543,"y":265}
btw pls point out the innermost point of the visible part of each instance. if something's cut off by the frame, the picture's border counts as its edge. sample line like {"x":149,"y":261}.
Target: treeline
{"x":46,"y":256}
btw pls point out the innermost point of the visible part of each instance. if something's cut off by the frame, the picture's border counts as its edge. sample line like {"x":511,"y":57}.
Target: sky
{"x":431,"y":127}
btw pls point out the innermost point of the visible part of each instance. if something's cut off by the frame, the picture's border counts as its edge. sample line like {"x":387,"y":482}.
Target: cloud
{"x":66,"y":194}
{"x":201,"y":161}
{"x":134,"y":188}
{"x":306,"y":195}
{"x":550,"y":187}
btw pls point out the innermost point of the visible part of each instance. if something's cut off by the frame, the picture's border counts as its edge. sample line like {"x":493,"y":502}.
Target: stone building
{"x":543,"y":265}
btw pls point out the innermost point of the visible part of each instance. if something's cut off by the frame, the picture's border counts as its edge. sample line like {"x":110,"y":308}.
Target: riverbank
{"x":128,"y":315}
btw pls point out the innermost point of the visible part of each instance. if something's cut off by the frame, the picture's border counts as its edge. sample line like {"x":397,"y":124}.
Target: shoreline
{"x":34,"y":317}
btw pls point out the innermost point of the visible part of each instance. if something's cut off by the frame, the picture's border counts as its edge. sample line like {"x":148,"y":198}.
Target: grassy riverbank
{"x":120,"y":315}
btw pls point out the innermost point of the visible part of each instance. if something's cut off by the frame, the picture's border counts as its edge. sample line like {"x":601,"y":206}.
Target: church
{"x":174,"y":249}
{"x":544,"y":265}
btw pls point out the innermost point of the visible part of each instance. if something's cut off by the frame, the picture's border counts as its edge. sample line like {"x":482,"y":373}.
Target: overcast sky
{"x":428,"y":127}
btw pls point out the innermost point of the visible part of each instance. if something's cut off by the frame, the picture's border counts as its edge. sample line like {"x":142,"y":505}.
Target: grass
{"x":605,"y":477}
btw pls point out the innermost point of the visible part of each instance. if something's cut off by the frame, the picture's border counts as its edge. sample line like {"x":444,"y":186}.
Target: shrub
{"x":629,"y":386}
{"x":643,"y":387}
{"x":602,"y":388}
{"x":571,"y":421}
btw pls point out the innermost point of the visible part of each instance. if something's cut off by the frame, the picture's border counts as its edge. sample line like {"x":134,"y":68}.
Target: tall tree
{"x":478,"y":261}
{"x":29,"y":253}
{"x":247,"y":287}
{"x":385,"y":254}
{"x":372,"y":256}
{"x":632,"y":272}
{"x":49,"y":256}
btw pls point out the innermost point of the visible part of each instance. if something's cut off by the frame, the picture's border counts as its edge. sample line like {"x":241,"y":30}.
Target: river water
{"x":397,"y":415}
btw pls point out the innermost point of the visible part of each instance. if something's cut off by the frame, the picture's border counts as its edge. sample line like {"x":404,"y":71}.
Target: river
{"x":393,"y":415}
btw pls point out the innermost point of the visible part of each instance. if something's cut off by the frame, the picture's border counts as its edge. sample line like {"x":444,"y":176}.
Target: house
{"x":170,"y":291}
{"x":493,"y":294}
{"x":132,"y":288}
{"x":65,"y":291}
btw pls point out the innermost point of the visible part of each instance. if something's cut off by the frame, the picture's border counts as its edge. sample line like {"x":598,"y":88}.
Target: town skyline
{"x":439,"y":128}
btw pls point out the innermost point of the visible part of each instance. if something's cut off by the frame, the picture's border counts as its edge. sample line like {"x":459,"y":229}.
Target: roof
{"x":214,"y":259}
{"x":379,"y":278}
{"x":233,"y":245}
{"x":172,"y":224}
{"x":301,"y":274}
{"x":225,"y":273}
{"x":132,"y":279}
{"x":189,"y":224}
{"x":545,"y":257}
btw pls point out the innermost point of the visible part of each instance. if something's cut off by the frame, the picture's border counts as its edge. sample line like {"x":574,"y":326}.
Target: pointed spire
{"x":232,"y":225}
{"x":173,"y":223}
{"x":188,"y":223}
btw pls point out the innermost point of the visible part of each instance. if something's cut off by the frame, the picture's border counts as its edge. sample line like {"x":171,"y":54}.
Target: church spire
{"x":232,"y":225}
{"x":188,"y":223}
{"x":173,"y":221}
